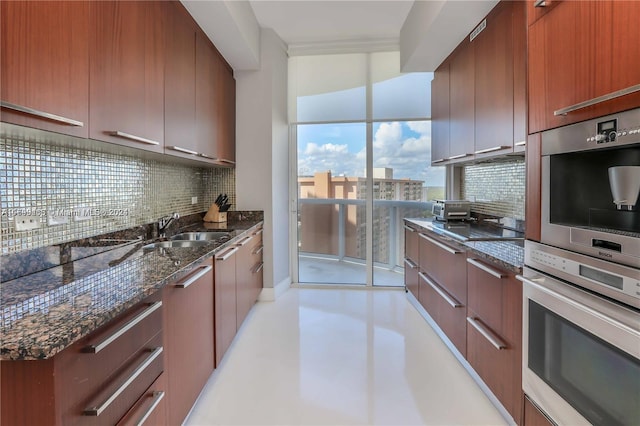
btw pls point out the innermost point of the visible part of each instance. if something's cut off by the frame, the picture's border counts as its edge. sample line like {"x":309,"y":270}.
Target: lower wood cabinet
{"x":95,"y":381}
{"x":225,"y":301}
{"x":447,"y":311}
{"x":188,"y":339}
{"x":151,"y":408}
{"x":533,"y":416}
{"x":494,"y":331}
{"x":248,"y":274}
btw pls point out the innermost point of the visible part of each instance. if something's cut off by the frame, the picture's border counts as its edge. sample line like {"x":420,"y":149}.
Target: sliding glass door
{"x":362,"y":143}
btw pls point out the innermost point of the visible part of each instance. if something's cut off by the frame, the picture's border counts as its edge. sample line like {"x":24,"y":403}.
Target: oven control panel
{"x":616,"y":281}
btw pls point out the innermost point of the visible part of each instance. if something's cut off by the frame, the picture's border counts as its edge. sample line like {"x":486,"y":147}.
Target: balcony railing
{"x":335,"y":228}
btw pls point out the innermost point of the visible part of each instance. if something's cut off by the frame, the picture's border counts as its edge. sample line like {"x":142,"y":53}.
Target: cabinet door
{"x":580,"y":51}
{"x":440,"y":114}
{"x":207,"y":104}
{"x":180,"y":86}
{"x":227,"y":115}
{"x":461,"y":107}
{"x":44,"y":65}
{"x":494,"y":84}
{"x":519,"y":37}
{"x":533,"y":202}
{"x":189,"y":339}
{"x":245,"y":294}
{"x":494,"y":332}
{"x":127,"y":73}
{"x":225,"y":301}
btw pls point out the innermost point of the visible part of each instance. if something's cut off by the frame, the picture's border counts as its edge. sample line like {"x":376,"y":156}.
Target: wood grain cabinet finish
{"x":151,"y":408}
{"x":248,"y":275}
{"x":179,"y":83}
{"x":207,"y":93}
{"x":440,"y":115}
{"x":411,"y":260}
{"x":127,"y":43}
{"x":44,"y":64}
{"x":533,"y":202}
{"x":579,"y":51}
{"x":189,"y":339}
{"x":494,"y":331}
{"x":227,"y":128}
{"x":75,"y":387}
{"x":461,"y":103}
{"x":533,"y":416}
{"x":225,"y":299}
{"x":443,"y":286}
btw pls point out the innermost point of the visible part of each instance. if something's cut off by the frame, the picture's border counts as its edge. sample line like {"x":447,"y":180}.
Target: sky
{"x":404,"y":146}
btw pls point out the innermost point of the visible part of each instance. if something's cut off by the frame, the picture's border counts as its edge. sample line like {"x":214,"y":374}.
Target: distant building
{"x":320,"y":225}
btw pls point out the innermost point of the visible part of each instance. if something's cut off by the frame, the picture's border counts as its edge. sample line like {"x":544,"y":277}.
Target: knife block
{"x":215,"y":215}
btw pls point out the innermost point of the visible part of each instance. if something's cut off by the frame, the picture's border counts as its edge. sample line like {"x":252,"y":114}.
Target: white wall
{"x":262,"y":153}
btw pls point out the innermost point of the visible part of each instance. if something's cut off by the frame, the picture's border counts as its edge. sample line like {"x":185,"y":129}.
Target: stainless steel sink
{"x":200,"y":236}
{"x":175,"y":244}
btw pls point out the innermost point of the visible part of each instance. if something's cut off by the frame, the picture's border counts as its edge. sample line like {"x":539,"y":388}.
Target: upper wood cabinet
{"x":579,"y":51}
{"x":44,"y":65}
{"x":208,"y":97}
{"x":440,"y":115}
{"x":461,"y":102}
{"x":494,"y":85}
{"x":179,"y":83}
{"x":227,"y":127}
{"x":479,"y":93}
{"x":127,"y":73}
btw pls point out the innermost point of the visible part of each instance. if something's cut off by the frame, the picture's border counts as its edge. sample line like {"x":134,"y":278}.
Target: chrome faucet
{"x":163,"y":222}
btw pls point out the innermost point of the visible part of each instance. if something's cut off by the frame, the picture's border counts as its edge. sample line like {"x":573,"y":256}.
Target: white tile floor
{"x":340,"y":357}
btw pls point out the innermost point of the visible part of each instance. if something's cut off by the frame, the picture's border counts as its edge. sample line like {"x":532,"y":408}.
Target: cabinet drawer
{"x":486,"y":291}
{"x":150,"y":409}
{"x":445,"y":264}
{"x":497,"y":362}
{"x":445,"y":309}
{"x":411,"y":244}
{"x":411,"y":277}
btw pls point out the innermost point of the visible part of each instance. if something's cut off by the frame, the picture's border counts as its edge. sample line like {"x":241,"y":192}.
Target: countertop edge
{"x":42,"y":352}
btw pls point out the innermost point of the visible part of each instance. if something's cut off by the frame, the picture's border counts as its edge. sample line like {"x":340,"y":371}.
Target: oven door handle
{"x":581,"y":306}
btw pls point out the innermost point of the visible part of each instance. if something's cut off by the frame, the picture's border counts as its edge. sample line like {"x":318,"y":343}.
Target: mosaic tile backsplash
{"x":498,"y":188}
{"x":110,"y":191}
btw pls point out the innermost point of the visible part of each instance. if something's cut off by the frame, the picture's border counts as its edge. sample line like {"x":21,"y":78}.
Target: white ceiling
{"x":425,"y":31}
{"x":313,"y":23}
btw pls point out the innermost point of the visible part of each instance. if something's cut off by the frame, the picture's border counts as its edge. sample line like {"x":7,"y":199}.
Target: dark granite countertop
{"x":46,"y":311}
{"x":498,"y":247}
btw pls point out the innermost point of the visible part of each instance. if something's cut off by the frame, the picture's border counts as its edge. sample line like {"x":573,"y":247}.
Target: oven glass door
{"x":598,"y":380}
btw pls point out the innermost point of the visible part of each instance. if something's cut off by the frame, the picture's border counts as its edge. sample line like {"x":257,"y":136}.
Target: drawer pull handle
{"x":224,"y":160}
{"x":259,"y":268}
{"x":94,"y":349}
{"x":439,"y":244}
{"x":493,"y":148}
{"x":450,"y":300}
{"x":96,"y":411}
{"x":487,"y":269}
{"x":157,"y":397}
{"x":258,"y":232}
{"x":439,"y":160}
{"x":245,"y":241}
{"x":183,"y":150}
{"x":521,"y":143}
{"x":228,"y":254}
{"x":540,"y":3}
{"x":193,"y":278}
{"x":495,"y":341}
{"x":408,"y":228}
{"x":258,"y":250}
{"x":133,"y":137}
{"x":599,"y":99}
{"x":410,"y":263}
{"x":41,"y":114}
